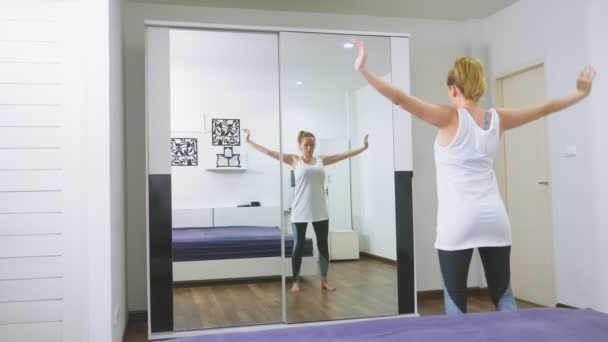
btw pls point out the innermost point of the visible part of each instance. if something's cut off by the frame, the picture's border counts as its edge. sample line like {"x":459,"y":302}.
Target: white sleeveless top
{"x":309,"y":199}
{"x":470,"y":212}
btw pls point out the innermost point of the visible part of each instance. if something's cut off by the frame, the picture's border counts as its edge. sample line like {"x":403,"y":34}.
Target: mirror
{"x":342,"y":214}
{"x":227,"y":245}
{"x":222,"y":108}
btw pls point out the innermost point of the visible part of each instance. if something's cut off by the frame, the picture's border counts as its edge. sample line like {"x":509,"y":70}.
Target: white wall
{"x":529,"y":32}
{"x":117,"y":174}
{"x":322,"y":112}
{"x":373,"y":173}
{"x":244,"y":87}
{"x":597,"y":31}
{"x":104,"y":168}
{"x":96,"y":130}
{"x":434,"y":46}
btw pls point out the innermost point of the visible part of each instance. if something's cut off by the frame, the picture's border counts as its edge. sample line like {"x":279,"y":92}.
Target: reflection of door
{"x":524,"y":177}
{"x":337,"y":183}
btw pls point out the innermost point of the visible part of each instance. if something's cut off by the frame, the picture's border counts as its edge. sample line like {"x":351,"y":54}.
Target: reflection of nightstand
{"x":343,"y":245}
{"x":287,"y":220}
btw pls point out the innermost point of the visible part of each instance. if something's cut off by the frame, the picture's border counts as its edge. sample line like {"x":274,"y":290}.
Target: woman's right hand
{"x":247,"y":134}
{"x":362,"y":58}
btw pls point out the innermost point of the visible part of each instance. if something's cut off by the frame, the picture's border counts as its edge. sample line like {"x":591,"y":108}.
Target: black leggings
{"x":497,"y":268}
{"x":299,"y":236}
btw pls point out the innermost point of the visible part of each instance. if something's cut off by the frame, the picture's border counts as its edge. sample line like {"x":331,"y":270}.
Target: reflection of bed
{"x":232,"y":243}
{"x":538,"y":325}
{"x":221,"y":243}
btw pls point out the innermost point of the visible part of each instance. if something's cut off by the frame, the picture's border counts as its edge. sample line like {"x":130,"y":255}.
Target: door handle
{"x":543,"y":183}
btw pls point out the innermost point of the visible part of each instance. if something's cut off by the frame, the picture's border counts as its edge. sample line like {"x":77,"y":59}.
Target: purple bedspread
{"x":538,"y":325}
{"x":194,"y":244}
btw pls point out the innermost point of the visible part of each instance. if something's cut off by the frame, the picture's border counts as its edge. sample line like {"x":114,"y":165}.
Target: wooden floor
{"x":364,"y":288}
{"x":476,"y":302}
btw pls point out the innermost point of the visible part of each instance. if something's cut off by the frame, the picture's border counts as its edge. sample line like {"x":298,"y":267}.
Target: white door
{"x":524,"y":175}
{"x":337,"y":183}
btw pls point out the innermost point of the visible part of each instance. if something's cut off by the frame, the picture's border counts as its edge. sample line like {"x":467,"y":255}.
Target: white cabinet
{"x":343,"y":245}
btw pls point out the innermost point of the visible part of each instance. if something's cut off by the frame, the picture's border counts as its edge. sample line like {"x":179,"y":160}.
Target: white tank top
{"x":309,"y":199}
{"x":470,"y":210}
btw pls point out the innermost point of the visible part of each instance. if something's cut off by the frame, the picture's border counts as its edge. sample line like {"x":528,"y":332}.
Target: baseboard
{"x":138,"y":316}
{"x":379,"y":258}
{"x":564,"y":306}
{"x":195,"y":283}
{"x":438,"y":294}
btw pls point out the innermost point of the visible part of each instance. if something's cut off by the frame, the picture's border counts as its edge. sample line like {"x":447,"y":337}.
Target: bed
{"x":538,"y":325}
{"x":232,"y":243}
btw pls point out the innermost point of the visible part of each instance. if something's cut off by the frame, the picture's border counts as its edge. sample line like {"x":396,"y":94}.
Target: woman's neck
{"x":307,"y":158}
{"x":471,"y":105}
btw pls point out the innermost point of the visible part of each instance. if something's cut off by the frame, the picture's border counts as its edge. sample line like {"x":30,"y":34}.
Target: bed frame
{"x":232,"y":269}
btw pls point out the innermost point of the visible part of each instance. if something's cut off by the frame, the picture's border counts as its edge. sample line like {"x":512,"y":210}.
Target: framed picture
{"x":226,"y":132}
{"x":184,"y":152}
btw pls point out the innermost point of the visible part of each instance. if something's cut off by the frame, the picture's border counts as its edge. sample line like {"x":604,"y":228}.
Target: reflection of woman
{"x":309,"y":201}
{"x":471,"y":213}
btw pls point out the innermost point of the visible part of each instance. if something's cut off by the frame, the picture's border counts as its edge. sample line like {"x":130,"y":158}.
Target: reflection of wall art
{"x":228,"y":158}
{"x":226,"y":133}
{"x":184,"y":152}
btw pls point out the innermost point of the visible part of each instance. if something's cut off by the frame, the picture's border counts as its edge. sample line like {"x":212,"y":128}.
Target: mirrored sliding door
{"x":238,"y":125}
{"x":343,"y":263}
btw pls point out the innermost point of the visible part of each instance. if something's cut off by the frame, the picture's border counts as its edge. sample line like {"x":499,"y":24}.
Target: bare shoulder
{"x":451,"y":114}
{"x":501,"y":113}
{"x":293,"y":160}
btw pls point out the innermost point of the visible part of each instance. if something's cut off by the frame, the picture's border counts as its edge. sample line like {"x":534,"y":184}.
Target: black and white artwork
{"x":184,"y":152}
{"x":226,"y":132}
{"x":228,"y":158}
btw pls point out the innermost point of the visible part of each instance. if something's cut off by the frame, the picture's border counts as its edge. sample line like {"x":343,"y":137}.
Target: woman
{"x":471,"y":213}
{"x":309,"y":200}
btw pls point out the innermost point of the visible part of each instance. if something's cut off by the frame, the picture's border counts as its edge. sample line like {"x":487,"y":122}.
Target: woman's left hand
{"x":362,"y":57}
{"x":585,"y":80}
{"x":365,"y":141}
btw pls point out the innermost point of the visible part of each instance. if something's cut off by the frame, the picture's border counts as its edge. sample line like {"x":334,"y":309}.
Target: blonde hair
{"x":304,"y":134}
{"x":468,"y":75}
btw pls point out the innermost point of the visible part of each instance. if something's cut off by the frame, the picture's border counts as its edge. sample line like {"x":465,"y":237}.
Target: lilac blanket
{"x":538,"y":325}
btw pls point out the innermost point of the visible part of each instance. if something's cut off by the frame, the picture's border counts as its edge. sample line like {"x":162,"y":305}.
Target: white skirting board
{"x":239,"y":268}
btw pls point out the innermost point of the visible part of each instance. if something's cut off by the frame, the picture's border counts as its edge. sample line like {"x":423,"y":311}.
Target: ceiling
{"x":427,"y":9}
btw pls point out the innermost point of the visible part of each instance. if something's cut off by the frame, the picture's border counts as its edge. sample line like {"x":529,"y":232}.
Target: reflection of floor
{"x":366,"y":287}
{"x":214,"y":306}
